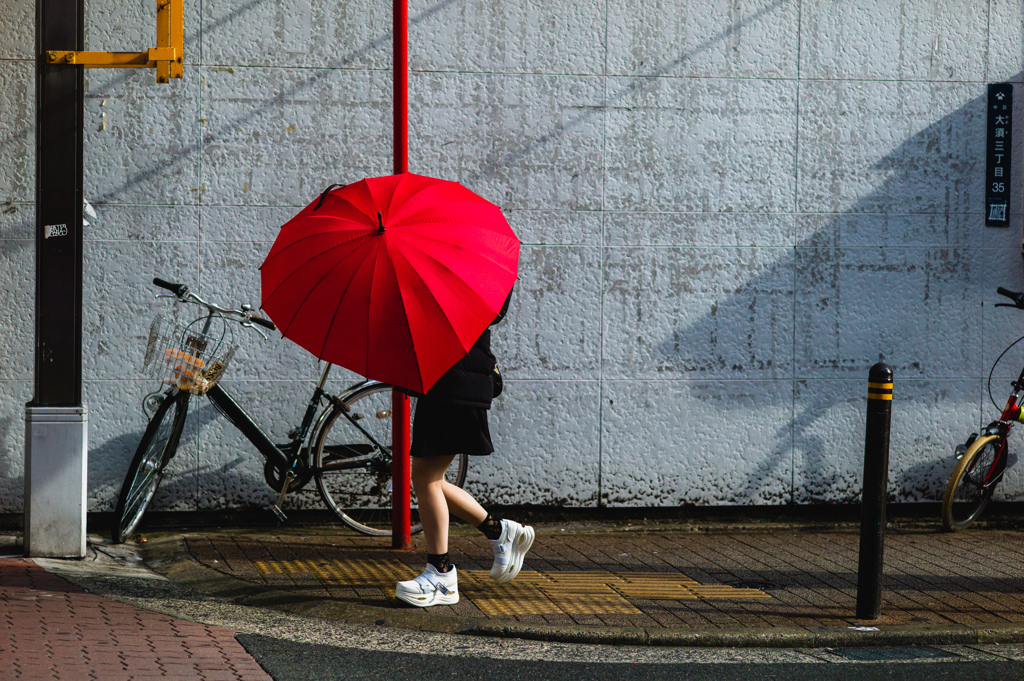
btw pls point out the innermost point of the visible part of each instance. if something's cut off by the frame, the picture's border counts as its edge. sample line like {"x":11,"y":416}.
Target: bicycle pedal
{"x":279,"y":513}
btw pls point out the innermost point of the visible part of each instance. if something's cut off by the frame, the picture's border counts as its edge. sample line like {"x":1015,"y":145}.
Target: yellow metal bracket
{"x":165,"y":57}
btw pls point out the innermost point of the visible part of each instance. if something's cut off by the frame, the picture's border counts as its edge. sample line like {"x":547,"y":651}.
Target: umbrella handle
{"x":324,"y":195}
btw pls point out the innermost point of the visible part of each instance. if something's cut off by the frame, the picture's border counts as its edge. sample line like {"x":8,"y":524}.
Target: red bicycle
{"x":982,"y":459}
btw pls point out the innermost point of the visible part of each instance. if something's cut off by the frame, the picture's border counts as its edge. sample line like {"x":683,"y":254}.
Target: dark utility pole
{"x":60,"y":92}
{"x":56,"y":422}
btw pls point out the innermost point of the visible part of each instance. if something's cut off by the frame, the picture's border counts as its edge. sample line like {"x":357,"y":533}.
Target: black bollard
{"x":876,"y":475}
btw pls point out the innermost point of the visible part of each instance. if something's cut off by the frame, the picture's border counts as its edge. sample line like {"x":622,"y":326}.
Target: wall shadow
{"x":875,"y":282}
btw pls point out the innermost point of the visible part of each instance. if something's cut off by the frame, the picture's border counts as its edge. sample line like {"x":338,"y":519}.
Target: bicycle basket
{"x":185,"y":357}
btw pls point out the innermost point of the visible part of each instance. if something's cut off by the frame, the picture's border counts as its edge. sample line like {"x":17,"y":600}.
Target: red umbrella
{"x":392,"y":277}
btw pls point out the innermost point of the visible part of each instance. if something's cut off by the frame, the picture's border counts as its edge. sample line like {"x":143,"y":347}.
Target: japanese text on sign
{"x":997,"y":177}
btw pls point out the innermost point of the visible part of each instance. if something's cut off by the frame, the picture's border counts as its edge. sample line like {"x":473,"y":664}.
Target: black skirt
{"x":445,"y":429}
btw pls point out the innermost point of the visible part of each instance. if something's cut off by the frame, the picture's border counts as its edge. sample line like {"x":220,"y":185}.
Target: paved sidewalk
{"x":50,"y":629}
{"x":783,"y":587}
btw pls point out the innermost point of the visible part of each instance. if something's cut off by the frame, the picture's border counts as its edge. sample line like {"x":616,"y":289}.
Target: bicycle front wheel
{"x":352,"y":460}
{"x":155,"y":451}
{"x":966,"y":493}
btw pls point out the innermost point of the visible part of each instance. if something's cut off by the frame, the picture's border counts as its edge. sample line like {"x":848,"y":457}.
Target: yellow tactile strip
{"x":533,"y":593}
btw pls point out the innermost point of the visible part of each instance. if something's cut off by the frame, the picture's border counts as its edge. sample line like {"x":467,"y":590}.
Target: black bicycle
{"x":343,"y":442}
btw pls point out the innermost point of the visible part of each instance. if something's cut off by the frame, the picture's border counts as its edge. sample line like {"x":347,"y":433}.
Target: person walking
{"x":452,"y":419}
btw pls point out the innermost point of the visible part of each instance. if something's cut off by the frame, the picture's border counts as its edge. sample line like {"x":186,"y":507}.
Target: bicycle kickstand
{"x":276,"y":508}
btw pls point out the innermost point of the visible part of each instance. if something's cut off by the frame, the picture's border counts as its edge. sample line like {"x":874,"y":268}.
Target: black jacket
{"x":469,"y":382}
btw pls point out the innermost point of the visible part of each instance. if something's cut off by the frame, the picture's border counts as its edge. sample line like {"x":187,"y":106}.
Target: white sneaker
{"x":430,"y":588}
{"x":510,"y":549}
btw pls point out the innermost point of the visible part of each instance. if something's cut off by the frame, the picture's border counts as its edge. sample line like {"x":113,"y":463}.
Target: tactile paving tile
{"x":532,"y":593}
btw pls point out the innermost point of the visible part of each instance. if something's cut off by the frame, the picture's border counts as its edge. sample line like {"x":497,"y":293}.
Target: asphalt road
{"x":293,"y":661}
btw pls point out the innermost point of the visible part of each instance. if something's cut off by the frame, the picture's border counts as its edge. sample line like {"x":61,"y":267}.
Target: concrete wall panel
{"x":13,"y":396}
{"x":928,"y":419}
{"x":118,"y":303}
{"x":17,"y":281}
{"x":1005,"y":41}
{"x":131,"y":27}
{"x":627,"y":228}
{"x":667,"y":442}
{"x":553,"y":327}
{"x":231,"y":277}
{"x":703,"y":145}
{"x":907,"y":307}
{"x":878,"y":39}
{"x":521,"y":141}
{"x":141,"y":137}
{"x":547,"y":445}
{"x":17,"y":30}
{"x":889,"y":230}
{"x":888,"y":147}
{"x":746,"y":39}
{"x":522,"y":37}
{"x":556,"y":227}
{"x":281,"y":136}
{"x":311,"y":34}
{"x":246,"y":223}
{"x":698,"y":313}
{"x":17,"y":131}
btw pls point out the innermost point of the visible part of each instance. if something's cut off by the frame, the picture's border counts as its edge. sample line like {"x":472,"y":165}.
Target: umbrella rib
{"x":406,"y":177}
{"x":313,"y":288}
{"x":441,"y":264}
{"x":427,"y":287}
{"x":341,"y":300}
{"x":294,"y":272}
{"x":406,"y":309}
{"x":414,"y":219}
{"x":328,"y":230}
{"x":412,"y":339}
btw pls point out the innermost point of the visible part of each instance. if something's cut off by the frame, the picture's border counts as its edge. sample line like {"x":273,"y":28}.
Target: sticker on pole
{"x":54,"y":230}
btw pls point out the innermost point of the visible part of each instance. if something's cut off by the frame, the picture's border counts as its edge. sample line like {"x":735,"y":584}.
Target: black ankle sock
{"x":491,"y":527}
{"x":440,"y":561}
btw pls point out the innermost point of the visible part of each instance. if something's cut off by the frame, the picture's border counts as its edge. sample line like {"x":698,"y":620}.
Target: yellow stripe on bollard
{"x":880,"y":391}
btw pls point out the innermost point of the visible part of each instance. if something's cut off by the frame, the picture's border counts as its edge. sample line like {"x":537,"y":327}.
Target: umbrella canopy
{"x":392,"y":277}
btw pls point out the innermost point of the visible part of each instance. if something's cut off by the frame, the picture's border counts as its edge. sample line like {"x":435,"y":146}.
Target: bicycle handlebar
{"x":177,"y":289}
{"x":185,"y":295}
{"x":1017,"y":298}
{"x":263,"y":322}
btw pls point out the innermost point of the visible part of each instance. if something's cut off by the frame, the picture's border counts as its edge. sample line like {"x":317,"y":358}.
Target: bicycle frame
{"x":273,"y":453}
{"x":1002,"y":428}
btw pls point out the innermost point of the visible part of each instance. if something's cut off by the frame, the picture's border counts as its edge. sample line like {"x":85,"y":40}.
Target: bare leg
{"x":428,"y":480}
{"x":462,"y":504}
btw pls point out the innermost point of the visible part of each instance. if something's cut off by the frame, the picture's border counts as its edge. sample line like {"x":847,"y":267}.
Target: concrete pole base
{"x":56,"y":457}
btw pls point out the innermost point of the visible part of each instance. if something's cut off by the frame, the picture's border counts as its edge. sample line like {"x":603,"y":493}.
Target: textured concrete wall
{"x":729,"y":211}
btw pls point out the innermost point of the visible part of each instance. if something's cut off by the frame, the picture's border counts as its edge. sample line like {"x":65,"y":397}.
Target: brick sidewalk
{"x":53,"y":630}
{"x":657,"y":579}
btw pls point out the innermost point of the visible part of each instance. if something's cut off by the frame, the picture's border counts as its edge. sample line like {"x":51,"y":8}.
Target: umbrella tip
{"x":380,"y":223}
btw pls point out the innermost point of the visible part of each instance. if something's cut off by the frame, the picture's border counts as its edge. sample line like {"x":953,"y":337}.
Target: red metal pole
{"x":401,"y":85}
{"x":401,"y":520}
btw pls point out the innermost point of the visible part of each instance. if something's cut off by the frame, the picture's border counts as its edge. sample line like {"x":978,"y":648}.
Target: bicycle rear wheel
{"x":155,"y":451}
{"x":966,"y":493}
{"x":354,"y":449}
